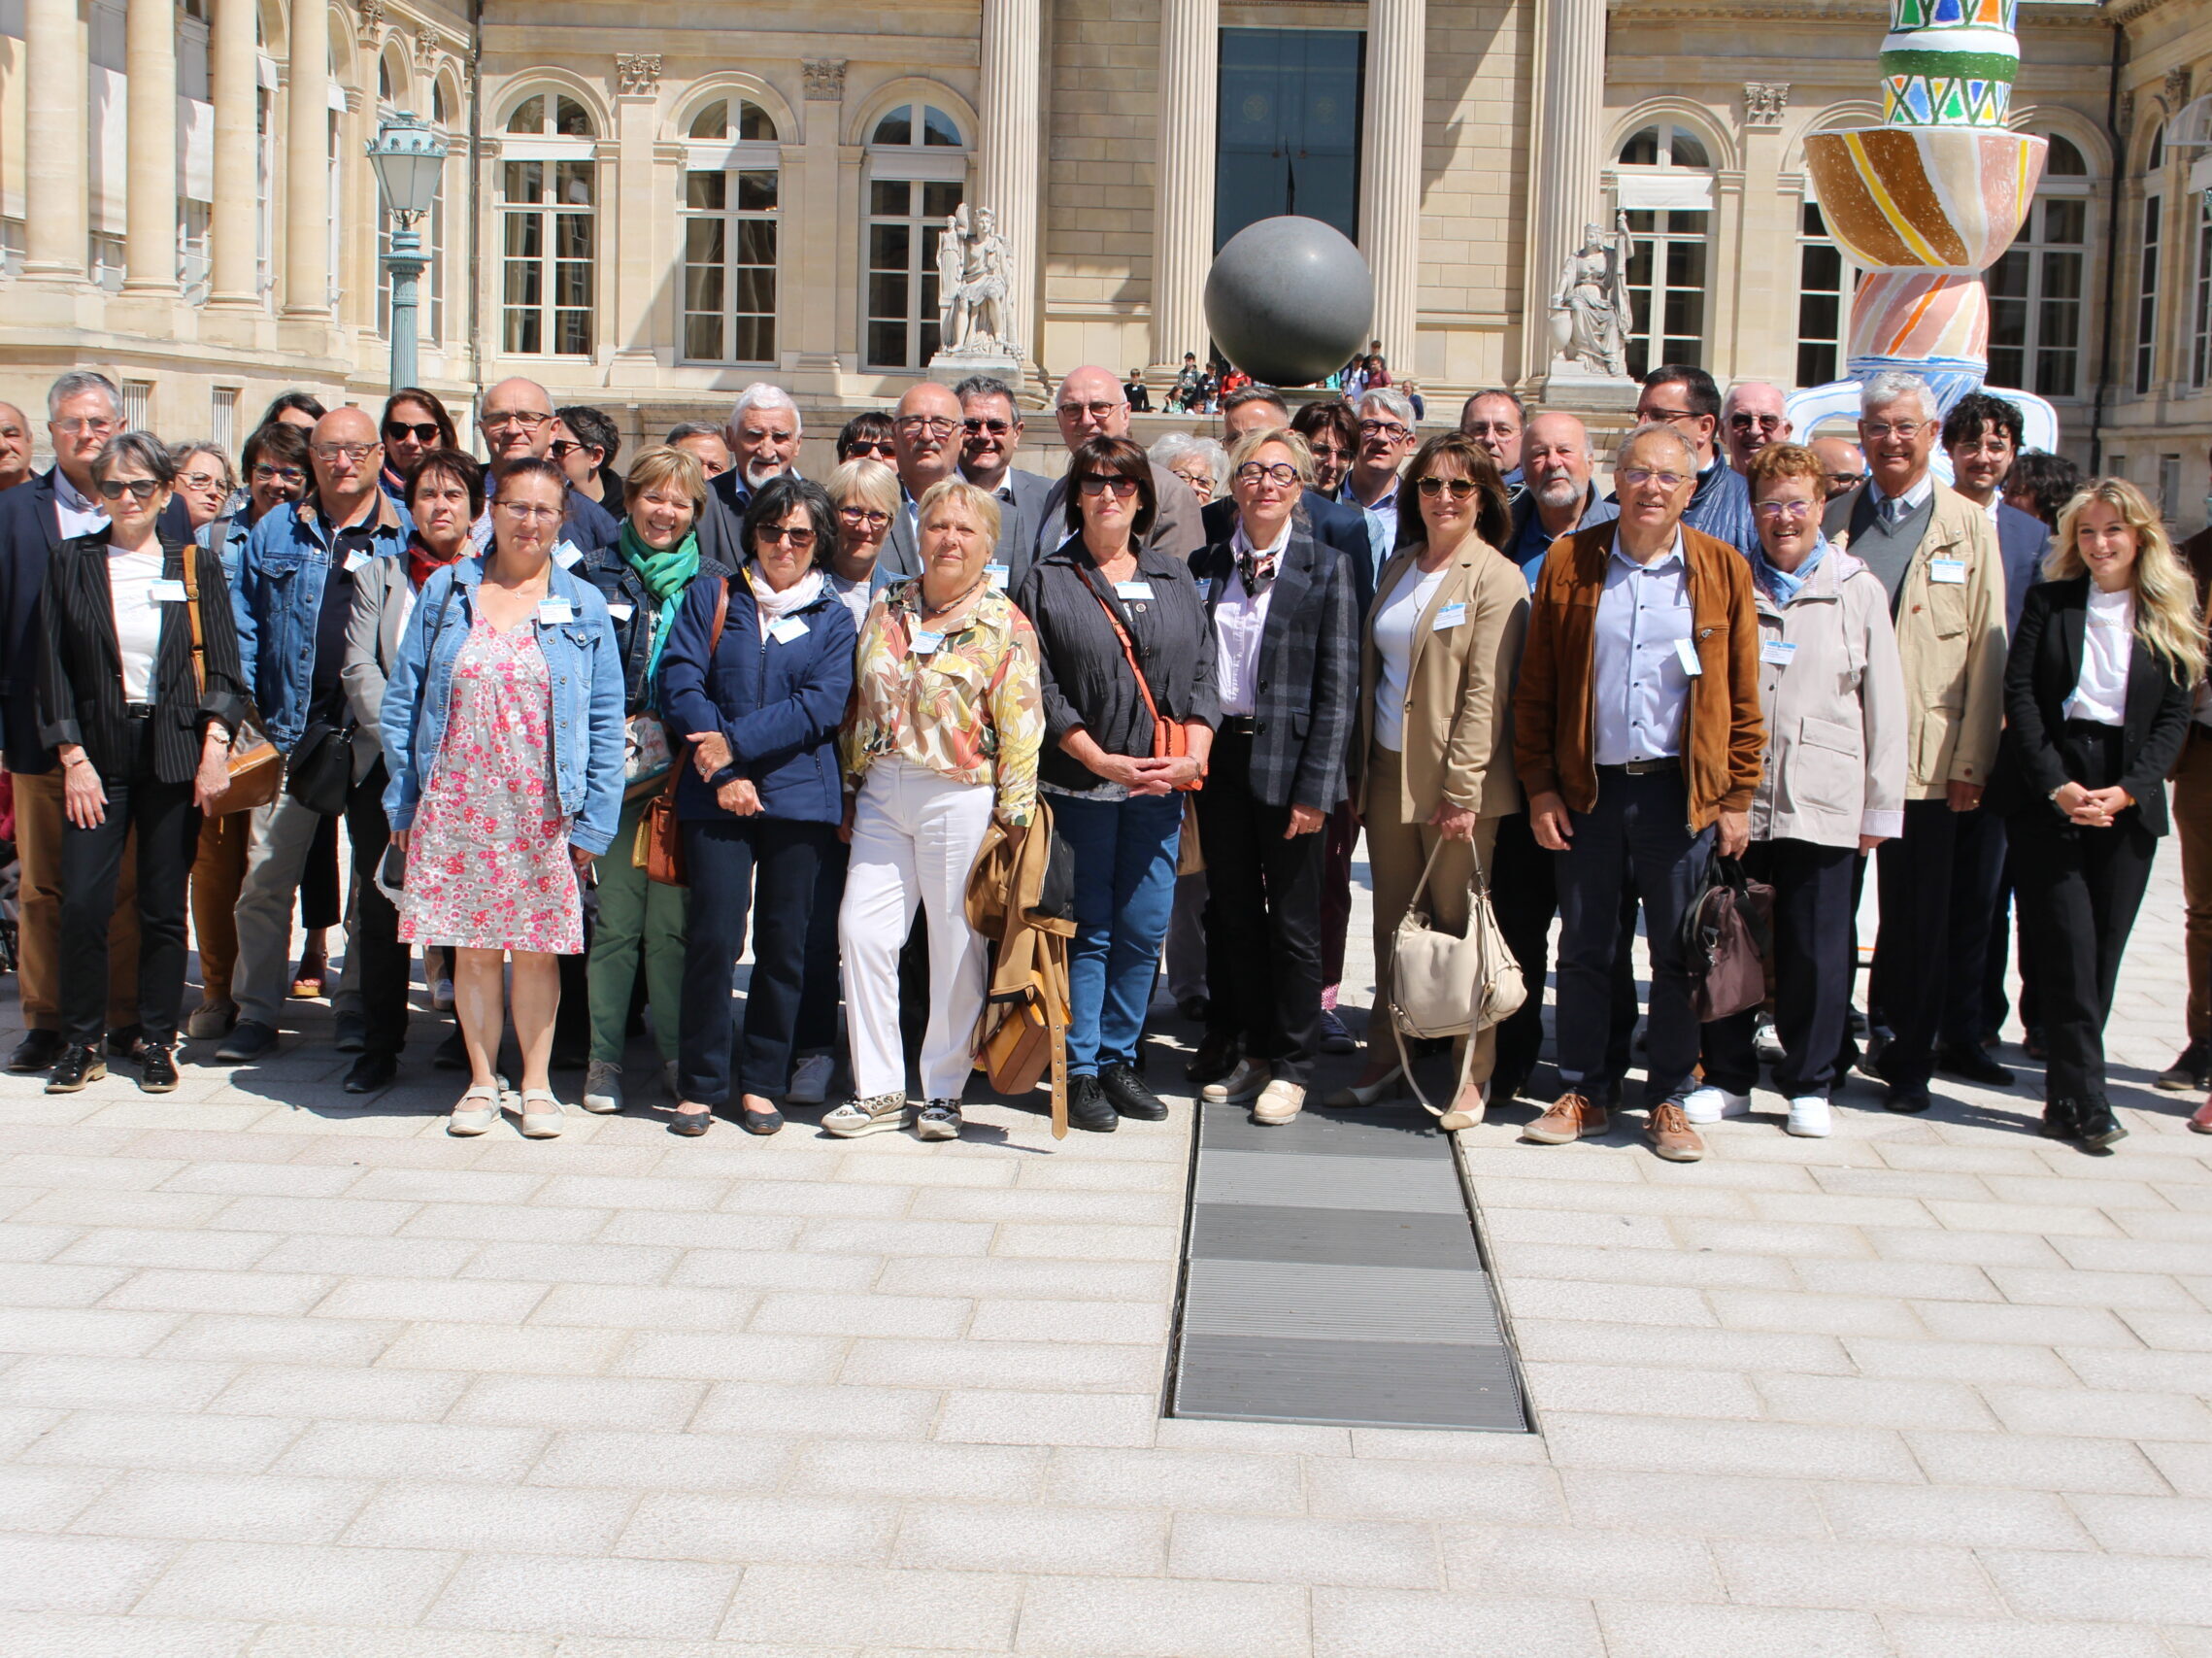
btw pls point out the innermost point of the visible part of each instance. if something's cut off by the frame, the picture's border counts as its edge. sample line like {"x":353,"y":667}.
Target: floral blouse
{"x":970,"y":710}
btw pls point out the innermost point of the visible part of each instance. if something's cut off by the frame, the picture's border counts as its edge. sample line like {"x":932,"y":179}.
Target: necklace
{"x":929,"y":611}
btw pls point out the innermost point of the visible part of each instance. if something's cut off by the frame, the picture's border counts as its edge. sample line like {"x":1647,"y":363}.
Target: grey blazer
{"x":1021,"y":511}
{"x":381,"y":608}
{"x":1176,"y":529}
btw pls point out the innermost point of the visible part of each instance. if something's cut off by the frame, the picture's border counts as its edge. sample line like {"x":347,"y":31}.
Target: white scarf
{"x":775,"y":605}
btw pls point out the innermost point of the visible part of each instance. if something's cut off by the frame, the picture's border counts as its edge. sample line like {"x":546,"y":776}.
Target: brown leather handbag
{"x":659,"y":847}
{"x":255,"y":768}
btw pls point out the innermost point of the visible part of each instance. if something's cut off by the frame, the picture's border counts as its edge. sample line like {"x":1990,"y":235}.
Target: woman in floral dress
{"x":503,"y":732}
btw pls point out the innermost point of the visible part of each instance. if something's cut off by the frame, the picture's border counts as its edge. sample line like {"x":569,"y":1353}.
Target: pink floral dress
{"x":488,"y":867}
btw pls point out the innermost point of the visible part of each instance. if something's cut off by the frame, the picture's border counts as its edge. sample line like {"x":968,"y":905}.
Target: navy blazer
{"x":30,"y":530}
{"x":1308,"y":674}
{"x":1334,"y":524}
{"x":778,"y":703}
{"x":2023,"y":538}
{"x":2040,"y":674}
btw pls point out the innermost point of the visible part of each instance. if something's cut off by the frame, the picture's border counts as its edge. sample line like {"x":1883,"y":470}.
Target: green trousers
{"x":634,"y":914}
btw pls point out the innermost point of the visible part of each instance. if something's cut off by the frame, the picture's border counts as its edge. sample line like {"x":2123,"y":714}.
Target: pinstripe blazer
{"x":81,"y":683}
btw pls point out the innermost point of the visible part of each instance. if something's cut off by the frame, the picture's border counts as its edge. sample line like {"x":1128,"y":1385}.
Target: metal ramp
{"x":1331,"y":1275}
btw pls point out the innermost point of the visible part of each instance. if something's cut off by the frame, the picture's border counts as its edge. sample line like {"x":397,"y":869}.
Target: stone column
{"x":815,"y":295}
{"x":636,"y":276}
{"x":1006,"y":172}
{"x":150,"y":197}
{"x":57,"y":169}
{"x":1183,"y":214}
{"x":1390,"y":182}
{"x":1563,"y":197}
{"x":235,"y":232}
{"x":307,"y":164}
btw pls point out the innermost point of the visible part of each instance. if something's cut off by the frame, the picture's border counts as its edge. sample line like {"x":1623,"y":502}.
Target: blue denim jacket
{"x":277,"y":598}
{"x":236,"y":532}
{"x":587,"y":698}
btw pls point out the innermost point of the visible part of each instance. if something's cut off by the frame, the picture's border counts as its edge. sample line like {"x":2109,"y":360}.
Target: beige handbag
{"x":1443,"y":985}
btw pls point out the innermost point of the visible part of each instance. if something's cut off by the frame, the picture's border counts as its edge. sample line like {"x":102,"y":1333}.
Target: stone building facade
{"x":650,"y":207}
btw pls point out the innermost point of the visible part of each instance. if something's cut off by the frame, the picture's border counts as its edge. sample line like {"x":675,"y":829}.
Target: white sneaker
{"x":1278,"y":1102}
{"x":1710,"y":1104}
{"x":1809,"y":1117}
{"x":940,"y":1120}
{"x":602,"y":1087}
{"x":809,"y":1080}
{"x":870,"y":1116}
{"x":1240,"y":1085}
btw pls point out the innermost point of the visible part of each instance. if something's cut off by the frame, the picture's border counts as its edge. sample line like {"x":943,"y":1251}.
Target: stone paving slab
{"x":286,"y":1375}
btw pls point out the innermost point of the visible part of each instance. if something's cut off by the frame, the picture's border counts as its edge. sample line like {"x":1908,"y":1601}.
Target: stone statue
{"x":975,"y":273}
{"x":1590,"y":315}
{"x":952,"y":297}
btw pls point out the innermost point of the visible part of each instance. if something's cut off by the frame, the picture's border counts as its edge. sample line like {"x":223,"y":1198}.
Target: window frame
{"x":551,"y":153}
{"x":918,"y":166}
{"x":1655,"y":191}
{"x":1811,"y":241}
{"x":729,"y":158}
{"x":2035,"y":255}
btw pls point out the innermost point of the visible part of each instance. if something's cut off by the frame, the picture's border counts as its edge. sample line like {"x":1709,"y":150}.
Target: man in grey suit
{"x":1091,"y":404}
{"x":925,"y":434}
{"x":991,"y":431}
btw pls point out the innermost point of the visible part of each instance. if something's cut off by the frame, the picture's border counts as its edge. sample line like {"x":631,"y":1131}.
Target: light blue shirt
{"x":1381,"y":520}
{"x":1638,"y":686}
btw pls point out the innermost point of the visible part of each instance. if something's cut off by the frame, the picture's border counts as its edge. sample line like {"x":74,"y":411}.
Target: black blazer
{"x":2040,"y":674}
{"x":80,"y":688}
{"x":1308,"y":676}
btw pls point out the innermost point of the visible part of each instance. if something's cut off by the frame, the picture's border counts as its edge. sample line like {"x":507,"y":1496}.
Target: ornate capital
{"x":2177,"y":89}
{"x":2126,"y":119}
{"x":426,"y":50}
{"x":371,"y":21}
{"x":1765,"y":102}
{"x":637,"y":74}
{"x":825,"y":79}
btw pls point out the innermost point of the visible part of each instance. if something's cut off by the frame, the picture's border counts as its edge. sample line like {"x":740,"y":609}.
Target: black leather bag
{"x":1727,"y":940}
{"x":322,"y":769}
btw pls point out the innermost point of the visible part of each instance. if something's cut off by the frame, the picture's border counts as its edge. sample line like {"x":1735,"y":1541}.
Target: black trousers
{"x":1911,"y":980}
{"x":733,"y":862}
{"x":2078,"y":890}
{"x":1525,"y":895}
{"x":1995,"y":1004}
{"x":385,"y":967}
{"x":322,"y":894}
{"x":1813,"y":953}
{"x":168,"y":826}
{"x":1638,"y":831}
{"x":817,"y":1028}
{"x":1263,"y":916}
{"x":1978,"y":916}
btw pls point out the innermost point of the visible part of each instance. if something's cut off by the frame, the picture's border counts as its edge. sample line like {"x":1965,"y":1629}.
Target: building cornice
{"x":2052,"y":16}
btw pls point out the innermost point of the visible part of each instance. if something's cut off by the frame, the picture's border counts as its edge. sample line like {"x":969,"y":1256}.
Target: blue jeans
{"x":1124,"y":890}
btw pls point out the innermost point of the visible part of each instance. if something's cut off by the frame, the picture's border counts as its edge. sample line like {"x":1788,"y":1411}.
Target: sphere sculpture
{"x":1289,"y":300}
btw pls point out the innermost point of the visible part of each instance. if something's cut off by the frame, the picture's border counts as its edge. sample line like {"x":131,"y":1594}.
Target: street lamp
{"x":408,"y":157}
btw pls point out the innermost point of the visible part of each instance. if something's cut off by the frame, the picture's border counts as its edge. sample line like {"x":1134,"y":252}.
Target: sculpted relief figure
{"x":975,"y":273}
{"x":1590,"y":315}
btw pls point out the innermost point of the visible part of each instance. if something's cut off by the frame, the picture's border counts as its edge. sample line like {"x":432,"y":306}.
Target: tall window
{"x":2036,"y":289}
{"x":1824,"y":291}
{"x":548,"y":242}
{"x":2201,"y":329}
{"x":1288,"y":133}
{"x":730,"y":203}
{"x":917,"y":177}
{"x":2147,"y":273}
{"x":1665,"y":177}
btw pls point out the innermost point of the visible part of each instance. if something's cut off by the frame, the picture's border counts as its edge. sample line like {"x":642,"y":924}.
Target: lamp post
{"x":408,"y":157}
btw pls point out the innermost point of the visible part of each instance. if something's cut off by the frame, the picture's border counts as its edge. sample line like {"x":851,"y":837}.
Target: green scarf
{"x":665,"y":575}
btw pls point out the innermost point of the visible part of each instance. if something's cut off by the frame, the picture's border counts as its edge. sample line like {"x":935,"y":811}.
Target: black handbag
{"x":321,"y":773}
{"x":1728,"y":941}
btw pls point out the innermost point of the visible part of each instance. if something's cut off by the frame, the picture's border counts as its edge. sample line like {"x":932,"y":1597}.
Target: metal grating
{"x":1332,"y":1275}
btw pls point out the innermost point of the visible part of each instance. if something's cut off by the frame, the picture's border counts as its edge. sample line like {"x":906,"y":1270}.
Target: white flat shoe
{"x":544,"y":1123}
{"x":1467,"y":1118}
{"x":1809,"y":1117}
{"x":1391,"y":1083}
{"x":1242,"y":1084}
{"x":465,"y":1123}
{"x":1278,"y":1102}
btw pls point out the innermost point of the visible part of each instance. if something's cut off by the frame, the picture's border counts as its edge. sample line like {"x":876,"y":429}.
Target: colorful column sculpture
{"x":1928,"y":200}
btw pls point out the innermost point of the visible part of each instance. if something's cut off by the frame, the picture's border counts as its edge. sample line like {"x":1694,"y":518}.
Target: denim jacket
{"x":587,"y":698}
{"x":277,"y":598}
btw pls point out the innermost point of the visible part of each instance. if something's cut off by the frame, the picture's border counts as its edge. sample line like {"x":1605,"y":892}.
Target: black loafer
{"x":1909,"y":1099}
{"x":79,"y":1065}
{"x":1215,"y":1059}
{"x":2061,"y":1120}
{"x":690,"y":1124}
{"x":371,"y":1073}
{"x":351,"y":1036}
{"x":127,"y":1042}
{"x":247,"y":1042}
{"x":759,"y":1121}
{"x":2095,"y":1125}
{"x":1127,"y":1093}
{"x":1089,"y":1109}
{"x":158,"y":1068}
{"x":1973,"y":1064}
{"x":37,"y":1051}
{"x":1195,"y":1008}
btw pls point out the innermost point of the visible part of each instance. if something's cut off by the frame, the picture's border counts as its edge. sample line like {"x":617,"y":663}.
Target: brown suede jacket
{"x":1724,"y":736}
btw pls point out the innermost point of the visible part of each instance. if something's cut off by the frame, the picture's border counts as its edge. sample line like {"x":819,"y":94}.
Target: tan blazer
{"x":1458,"y":710}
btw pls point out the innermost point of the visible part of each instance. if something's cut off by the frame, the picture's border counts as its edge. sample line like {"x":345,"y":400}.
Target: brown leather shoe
{"x":1570,"y":1118}
{"x":1669,"y":1134}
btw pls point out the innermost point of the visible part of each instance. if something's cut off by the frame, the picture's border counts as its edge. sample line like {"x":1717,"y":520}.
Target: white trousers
{"x":915,"y":838}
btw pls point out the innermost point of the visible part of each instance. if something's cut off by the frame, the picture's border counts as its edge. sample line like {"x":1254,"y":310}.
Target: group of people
{"x":586,"y":723}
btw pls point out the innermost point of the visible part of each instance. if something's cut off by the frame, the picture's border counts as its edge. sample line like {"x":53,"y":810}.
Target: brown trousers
{"x":39,"y":824}
{"x":2193,"y":823}
{"x":219,"y":872}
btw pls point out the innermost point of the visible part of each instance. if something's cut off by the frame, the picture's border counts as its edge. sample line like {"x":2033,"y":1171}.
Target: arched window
{"x":916,"y":179}
{"x":383,"y":79}
{"x":548,"y":220}
{"x":439,"y":112}
{"x":732,"y":197}
{"x":2147,"y":250}
{"x":1665,"y":185}
{"x":2036,"y":289}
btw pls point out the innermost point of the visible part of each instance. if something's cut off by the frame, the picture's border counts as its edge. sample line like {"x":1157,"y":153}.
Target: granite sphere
{"x":1289,"y":300}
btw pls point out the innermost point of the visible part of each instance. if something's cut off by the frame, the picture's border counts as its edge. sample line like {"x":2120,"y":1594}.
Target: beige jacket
{"x":1951,"y":644}
{"x":1458,"y":709}
{"x":1835,"y":710}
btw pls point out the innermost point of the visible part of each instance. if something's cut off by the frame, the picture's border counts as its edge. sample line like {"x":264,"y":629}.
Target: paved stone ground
{"x":285,"y":1376}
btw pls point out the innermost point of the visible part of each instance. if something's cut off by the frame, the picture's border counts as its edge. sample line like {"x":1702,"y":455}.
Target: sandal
{"x":476,"y":1122}
{"x":546,"y":1123}
{"x":309,"y":982}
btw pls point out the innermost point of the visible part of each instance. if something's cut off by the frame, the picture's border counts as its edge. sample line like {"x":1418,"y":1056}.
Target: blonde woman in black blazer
{"x":2097,"y":693}
{"x":143,"y":743}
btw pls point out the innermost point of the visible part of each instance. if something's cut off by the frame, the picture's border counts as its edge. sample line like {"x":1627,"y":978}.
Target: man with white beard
{"x":763,"y":440}
{"x":1556,"y":462}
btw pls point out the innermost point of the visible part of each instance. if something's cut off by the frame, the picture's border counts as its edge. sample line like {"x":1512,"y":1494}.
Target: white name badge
{"x":1778,"y":651}
{"x":1949,"y":571}
{"x":566,"y":555}
{"x":1132,"y":590}
{"x":1686,"y":654}
{"x":355,"y":561}
{"x":997,"y":574}
{"x":166,"y":593}
{"x":924,"y":644}
{"x":1451,"y":616}
{"x":789,"y":629}
{"x":553,"y":611}
{"x":622,"y":612}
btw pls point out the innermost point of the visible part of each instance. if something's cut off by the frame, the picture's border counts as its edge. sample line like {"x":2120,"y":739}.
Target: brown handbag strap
{"x":714,"y":644}
{"x":193,"y":611}
{"x":1129,"y":653}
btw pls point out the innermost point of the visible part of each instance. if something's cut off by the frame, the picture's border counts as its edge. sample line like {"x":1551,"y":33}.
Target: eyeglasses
{"x":140,"y":488}
{"x":1392,"y":429}
{"x":496,"y":420}
{"x":1461,"y":488}
{"x":1879,"y":429}
{"x":563,"y":447}
{"x":870,"y":448}
{"x":863,"y":518}
{"x":356,"y":452}
{"x":1096,"y":411}
{"x":1277,"y":472}
{"x":1668,"y":416}
{"x":422,"y":432}
{"x":76,"y":423}
{"x":936,"y":426}
{"x":200,"y":480}
{"x":800,"y":538}
{"x":263,"y":473}
{"x":1743,"y":421}
{"x":1328,"y":452}
{"x":1841,"y":480}
{"x":976,"y":429}
{"x":1664,"y":479}
{"x":1490,"y":428}
{"x":1783,"y":509}
{"x":1097,"y":484}
{"x":521,"y":512}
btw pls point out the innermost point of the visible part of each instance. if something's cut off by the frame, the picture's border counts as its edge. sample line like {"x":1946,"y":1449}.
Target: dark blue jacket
{"x":779,"y":702}
{"x":587,"y":526}
{"x":634,"y":612}
{"x":2023,"y":539}
{"x":1719,"y":506}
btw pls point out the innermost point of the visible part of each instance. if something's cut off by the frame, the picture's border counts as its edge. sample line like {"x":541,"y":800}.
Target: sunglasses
{"x":1744,"y":421}
{"x":1096,"y":483}
{"x":996,"y":429}
{"x":1461,"y":488}
{"x":139,"y":489}
{"x":799,"y":538}
{"x":422,"y":432}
